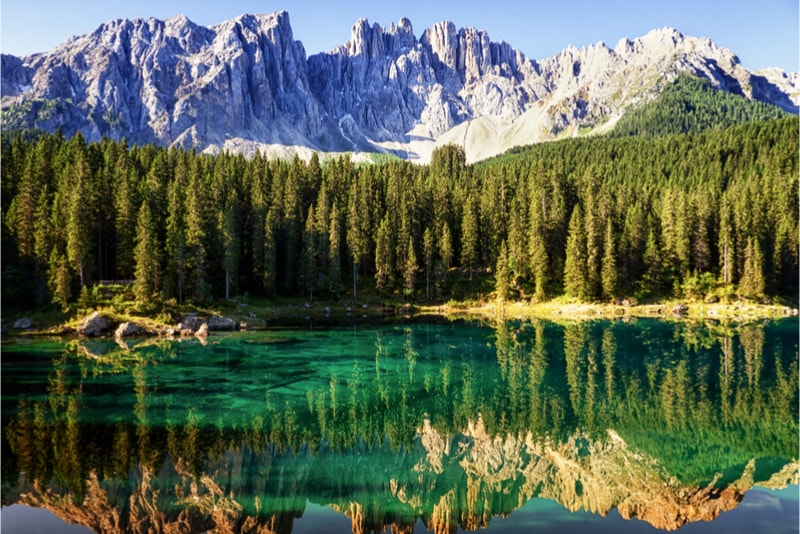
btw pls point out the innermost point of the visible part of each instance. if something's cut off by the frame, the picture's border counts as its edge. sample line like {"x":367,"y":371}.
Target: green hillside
{"x":692,"y":105}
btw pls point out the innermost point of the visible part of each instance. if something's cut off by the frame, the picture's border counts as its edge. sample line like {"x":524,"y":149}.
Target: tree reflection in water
{"x":451,"y":424}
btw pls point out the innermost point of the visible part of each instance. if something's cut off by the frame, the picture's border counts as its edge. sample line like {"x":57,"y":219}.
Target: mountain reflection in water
{"x":452,"y":425}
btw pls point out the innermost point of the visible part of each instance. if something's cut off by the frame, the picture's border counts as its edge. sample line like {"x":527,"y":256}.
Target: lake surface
{"x":443,"y":427}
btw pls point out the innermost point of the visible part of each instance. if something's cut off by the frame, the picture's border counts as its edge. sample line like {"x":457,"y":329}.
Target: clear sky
{"x":763,"y":33}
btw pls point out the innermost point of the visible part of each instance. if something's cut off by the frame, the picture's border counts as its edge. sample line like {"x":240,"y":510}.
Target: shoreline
{"x":270,"y":315}
{"x":668,"y":310}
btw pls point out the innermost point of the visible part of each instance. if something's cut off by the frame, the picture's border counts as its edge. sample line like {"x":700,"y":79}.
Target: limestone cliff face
{"x":446,"y":481}
{"x":171,"y":82}
{"x":246,"y":85}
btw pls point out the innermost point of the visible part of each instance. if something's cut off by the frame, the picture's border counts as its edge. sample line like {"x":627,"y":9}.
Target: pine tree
{"x":310,"y":254}
{"x":752,"y":282}
{"x":383,"y":256}
{"x":576,"y":283}
{"x":609,"y":274}
{"x":334,"y":253}
{"x":594,"y":238}
{"x":727,"y":239}
{"x":20,"y":216}
{"x":196,"y":236}
{"x":410,"y":267}
{"x":60,"y":280}
{"x":80,"y":218}
{"x":446,"y":247}
{"x":175,"y":246}
{"x":357,"y":229}
{"x":427,"y":245}
{"x":469,"y":236}
{"x":502,"y":274}
{"x":125,"y":201}
{"x":540,"y":267}
{"x":230,"y":244}
{"x":269,"y":276}
{"x":146,"y":256}
{"x":653,"y":279}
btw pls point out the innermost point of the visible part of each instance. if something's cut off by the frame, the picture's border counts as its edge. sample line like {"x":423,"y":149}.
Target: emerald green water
{"x":589,"y":426}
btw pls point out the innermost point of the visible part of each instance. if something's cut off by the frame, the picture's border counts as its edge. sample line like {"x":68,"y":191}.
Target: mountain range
{"x":246,"y":85}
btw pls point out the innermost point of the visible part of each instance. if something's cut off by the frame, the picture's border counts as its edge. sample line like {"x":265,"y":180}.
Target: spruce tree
{"x":146,"y":256}
{"x":59,"y":279}
{"x":446,"y":247}
{"x":334,"y":253}
{"x":502,"y":274}
{"x":540,"y":267}
{"x":175,"y":246}
{"x":576,"y":283}
{"x":427,"y":245}
{"x":383,"y":256}
{"x":80,"y":218}
{"x":469,"y":236}
{"x":310,"y":254}
{"x":609,"y":274}
{"x":269,"y":276}
{"x":752,"y":282}
{"x":230,"y":243}
{"x":410,"y":267}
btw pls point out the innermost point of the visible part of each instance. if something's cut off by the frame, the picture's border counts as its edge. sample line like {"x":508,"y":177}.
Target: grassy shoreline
{"x":260,"y":314}
{"x":678,"y":310}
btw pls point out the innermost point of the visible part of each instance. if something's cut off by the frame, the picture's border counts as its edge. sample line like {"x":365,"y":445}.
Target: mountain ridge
{"x":246,"y":85}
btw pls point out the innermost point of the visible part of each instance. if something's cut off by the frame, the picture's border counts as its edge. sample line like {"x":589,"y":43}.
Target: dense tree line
{"x":692,"y":105}
{"x":594,"y":218}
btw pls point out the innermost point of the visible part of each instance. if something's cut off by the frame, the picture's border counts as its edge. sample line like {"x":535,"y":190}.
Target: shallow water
{"x":586,"y":426}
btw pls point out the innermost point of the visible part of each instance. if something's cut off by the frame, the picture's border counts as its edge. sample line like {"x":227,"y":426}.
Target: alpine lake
{"x":428,"y":425}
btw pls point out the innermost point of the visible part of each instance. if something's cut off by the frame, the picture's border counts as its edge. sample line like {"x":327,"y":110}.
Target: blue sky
{"x":762,"y":33}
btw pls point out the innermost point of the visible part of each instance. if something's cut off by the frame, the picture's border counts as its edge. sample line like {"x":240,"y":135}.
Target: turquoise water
{"x":586,"y":426}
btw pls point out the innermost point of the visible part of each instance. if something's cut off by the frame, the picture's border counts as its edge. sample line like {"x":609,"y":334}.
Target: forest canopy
{"x":594,"y":218}
{"x":691,"y":105}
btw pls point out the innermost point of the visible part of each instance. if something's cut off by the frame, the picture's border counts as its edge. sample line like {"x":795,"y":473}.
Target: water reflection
{"x":452,"y":425}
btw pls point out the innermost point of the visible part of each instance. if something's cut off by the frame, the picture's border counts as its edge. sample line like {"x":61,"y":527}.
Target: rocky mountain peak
{"x":247,"y":85}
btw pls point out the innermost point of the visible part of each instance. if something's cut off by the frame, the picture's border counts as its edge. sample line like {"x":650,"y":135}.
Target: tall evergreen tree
{"x":310,"y":254}
{"x":410,"y":267}
{"x":231,"y":244}
{"x":609,"y":274}
{"x":469,"y":236}
{"x":334,"y":253}
{"x":383,"y":256}
{"x":752,"y":283}
{"x":269,"y":276}
{"x":653,"y":281}
{"x":126,"y":200}
{"x":502,"y":274}
{"x":175,"y":245}
{"x":427,"y":245}
{"x":196,"y":238}
{"x":576,"y":282}
{"x":146,"y":256}
{"x":60,"y":279}
{"x":357,"y":228}
{"x":80,"y":217}
{"x":446,"y":247}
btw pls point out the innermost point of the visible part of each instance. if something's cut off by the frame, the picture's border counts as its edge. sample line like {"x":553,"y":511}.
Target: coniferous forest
{"x":595,"y":218}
